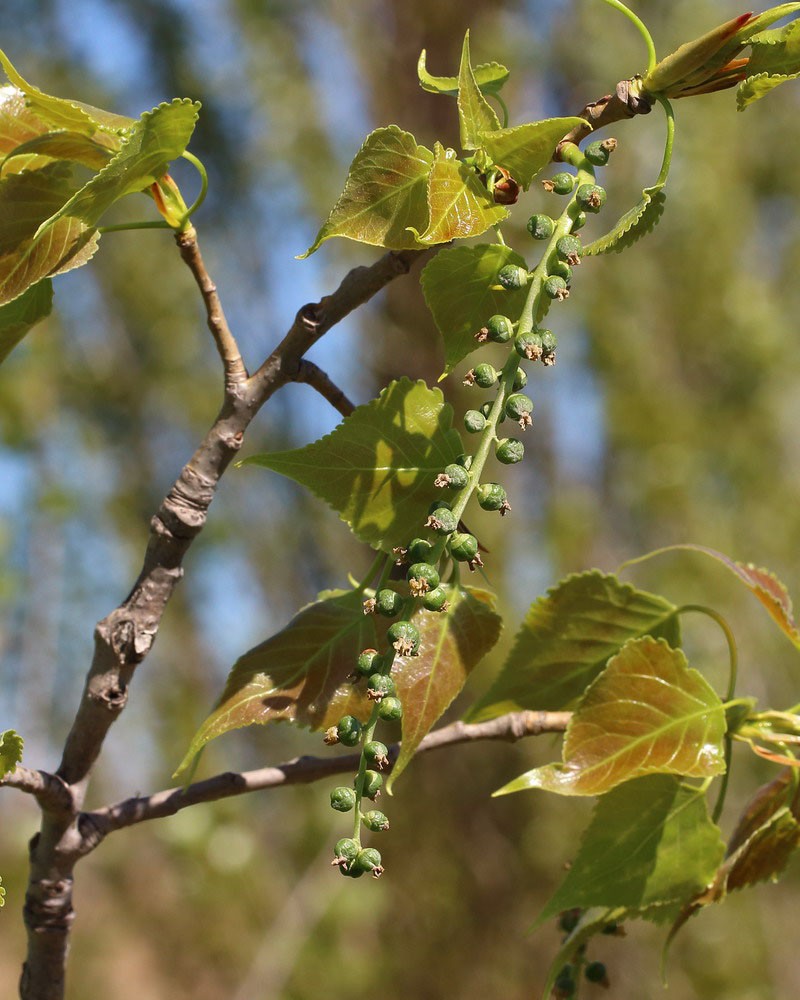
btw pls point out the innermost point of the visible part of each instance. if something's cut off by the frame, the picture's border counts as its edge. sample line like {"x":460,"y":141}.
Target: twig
{"x":49,"y":790}
{"x":305,"y":770}
{"x":235,"y":370}
{"x":314,"y":376}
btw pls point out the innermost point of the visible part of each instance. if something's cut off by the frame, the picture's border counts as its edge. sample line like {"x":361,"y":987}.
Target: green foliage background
{"x":671,"y":416}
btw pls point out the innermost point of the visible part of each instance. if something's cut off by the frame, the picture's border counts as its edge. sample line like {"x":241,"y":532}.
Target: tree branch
{"x":52,"y":794}
{"x":228,"y":349}
{"x":305,"y":770}
{"x":314,"y":376}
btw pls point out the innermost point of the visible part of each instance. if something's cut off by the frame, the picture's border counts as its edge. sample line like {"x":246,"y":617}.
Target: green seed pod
{"x":443,"y":521}
{"x":519,"y":407}
{"x":463,"y":546}
{"x":425,"y":575}
{"x":376,"y":821}
{"x":563,"y":270}
{"x":529,"y":345}
{"x":509,"y":451}
{"x":520,"y":379}
{"x":491,"y":496}
{"x":565,"y":984}
{"x":561,"y":183}
{"x":350,"y":871}
{"x":348,"y":729}
{"x":556,"y":288}
{"x":474,"y":421}
{"x":579,"y":221}
{"x":419,"y":549}
{"x":436,"y":505}
{"x":597,"y":153}
{"x":540,"y":227}
{"x":373,"y":782}
{"x":591,"y":197}
{"x":369,"y":860}
{"x":596,"y":972}
{"x":435,"y":600}
{"x":569,"y":249}
{"x":500,"y":328}
{"x":568,"y":920}
{"x":388,"y":603}
{"x":512,"y":276}
{"x":346,"y":850}
{"x":379,"y":686}
{"x":343,"y":799}
{"x":368,"y":662}
{"x":454,"y":477}
{"x":390,"y":709}
{"x":404,"y":637}
{"x":376,"y":754}
{"x":485,"y":376}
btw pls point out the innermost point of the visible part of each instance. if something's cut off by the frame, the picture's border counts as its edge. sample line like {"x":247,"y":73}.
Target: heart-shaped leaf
{"x":524,"y":150}
{"x":489,"y":77}
{"x":459,"y":285}
{"x":299,"y":675}
{"x":17,"y":317}
{"x":385,"y":193}
{"x":566,"y":641}
{"x":458,"y":203}
{"x":647,"y":713}
{"x":378,"y":466}
{"x":451,"y":644}
{"x":475,"y":114}
{"x":650,"y":842}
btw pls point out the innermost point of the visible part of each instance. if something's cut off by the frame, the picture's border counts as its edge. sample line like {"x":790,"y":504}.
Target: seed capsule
{"x":561,"y":183}
{"x":512,"y":276}
{"x":500,"y":328}
{"x":509,"y":451}
{"x":540,"y":227}
{"x":474,"y":421}
{"x":343,"y":799}
{"x":591,"y":197}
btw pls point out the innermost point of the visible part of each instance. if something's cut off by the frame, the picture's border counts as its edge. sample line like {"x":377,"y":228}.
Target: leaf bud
{"x":540,"y":227}
{"x":343,"y":799}
{"x":512,"y":277}
{"x":509,"y":451}
{"x":499,"y":328}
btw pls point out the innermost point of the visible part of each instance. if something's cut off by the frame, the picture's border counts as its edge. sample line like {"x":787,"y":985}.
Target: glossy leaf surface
{"x":647,"y":713}
{"x":378,"y":466}
{"x":650,"y":842}
{"x":566,"y":640}
{"x":386,"y":191}
{"x":475,"y":114}
{"x":525,"y":150}
{"x":452,"y":643}
{"x":458,"y":288}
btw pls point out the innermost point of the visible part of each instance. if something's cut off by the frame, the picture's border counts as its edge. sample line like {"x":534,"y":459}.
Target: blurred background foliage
{"x":671,"y":416}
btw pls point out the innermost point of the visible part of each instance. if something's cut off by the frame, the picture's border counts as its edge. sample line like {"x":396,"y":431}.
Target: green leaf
{"x":452,"y":643}
{"x":19,"y":316}
{"x":647,"y":713}
{"x":489,"y":77}
{"x":18,"y":124}
{"x":458,"y":287}
{"x":474,"y":112}
{"x":31,"y":247}
{"x":524,"y":150}
{"x":385,"y":193}
{"x":634,"y":224}
{"x":11,"y":744}
{"x":298,"y":675}
{"x":650,"y":842}
{"x":775,"y":58}
{"x":566,"y":640}
{"x":377,"y":467}
{"x":58,"y":113}
{"x":72,"y":146}
{"x":459,"y":205}
{"x":157,"y":138}
{"x":762,"y":583}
